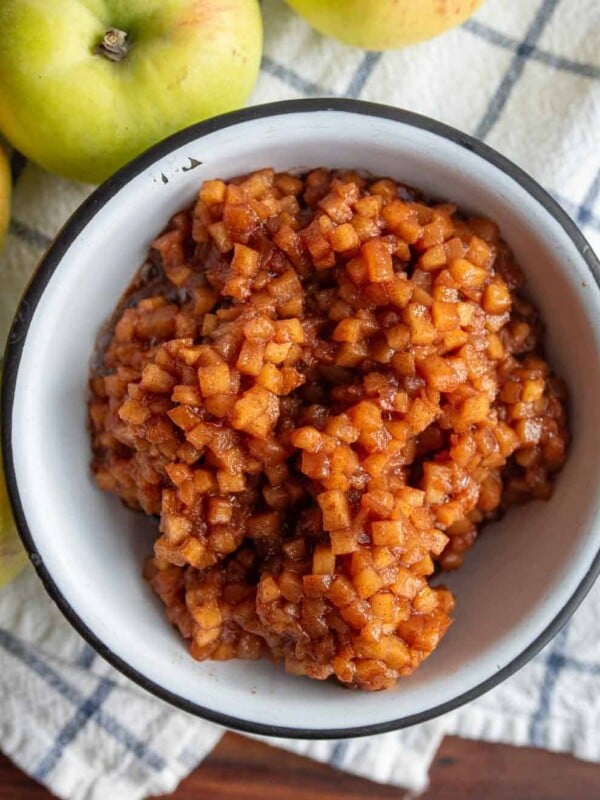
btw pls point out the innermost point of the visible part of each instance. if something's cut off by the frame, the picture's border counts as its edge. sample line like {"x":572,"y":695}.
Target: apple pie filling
{"x":323,"y":386}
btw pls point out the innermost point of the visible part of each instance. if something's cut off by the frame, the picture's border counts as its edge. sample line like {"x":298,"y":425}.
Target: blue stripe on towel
{"x":515,"y":69}
{"x":103,"y":719}
{"x":83,"y":714}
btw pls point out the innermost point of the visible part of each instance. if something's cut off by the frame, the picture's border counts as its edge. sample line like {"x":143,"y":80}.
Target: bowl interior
{"x":515,"y":581}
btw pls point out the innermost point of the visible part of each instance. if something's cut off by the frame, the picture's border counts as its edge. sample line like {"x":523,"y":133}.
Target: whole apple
{"x":85,"y":86}
{"x":383,"y":24}
{"x":5,"y":187}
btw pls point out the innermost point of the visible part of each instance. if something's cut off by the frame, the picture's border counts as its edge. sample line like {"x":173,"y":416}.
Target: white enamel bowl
{"x":526,"y":574}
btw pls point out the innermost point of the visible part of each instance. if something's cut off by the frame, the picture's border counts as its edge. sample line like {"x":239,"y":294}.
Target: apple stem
{"x":114,"y":45}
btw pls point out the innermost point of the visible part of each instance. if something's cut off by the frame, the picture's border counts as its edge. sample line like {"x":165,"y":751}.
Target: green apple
{"x":383,"y":24}
{"x":5,"y":187}
{"x":12,"y":555}
{"x":85,"y":85}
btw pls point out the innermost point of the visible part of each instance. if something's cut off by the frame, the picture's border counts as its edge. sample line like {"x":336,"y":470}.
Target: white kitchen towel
{"x":526,"y":78}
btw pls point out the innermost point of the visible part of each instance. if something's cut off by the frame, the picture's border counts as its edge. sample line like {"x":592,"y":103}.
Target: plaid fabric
{"x":526,"y":78}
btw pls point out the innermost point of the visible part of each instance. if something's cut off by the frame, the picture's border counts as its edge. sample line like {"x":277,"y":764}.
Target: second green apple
{"x":383,"y":24}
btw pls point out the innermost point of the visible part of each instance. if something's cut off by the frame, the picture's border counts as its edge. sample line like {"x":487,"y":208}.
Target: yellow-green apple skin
{"x":76,"y":112}
{"x":12,"y":555}
{"x":5,"y":187}
{"x":383,"y":24}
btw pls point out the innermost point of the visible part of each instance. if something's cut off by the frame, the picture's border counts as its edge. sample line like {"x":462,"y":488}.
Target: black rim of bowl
{"x":52,"y":258}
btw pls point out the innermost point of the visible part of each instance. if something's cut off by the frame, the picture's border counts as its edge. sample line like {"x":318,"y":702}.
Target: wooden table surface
{"x":241,"y":769}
